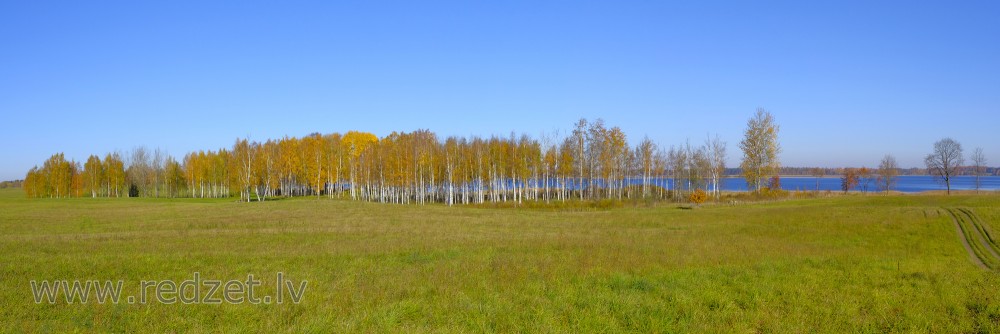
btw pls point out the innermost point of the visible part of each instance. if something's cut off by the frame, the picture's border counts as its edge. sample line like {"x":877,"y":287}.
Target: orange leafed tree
{"x":594,"y":162}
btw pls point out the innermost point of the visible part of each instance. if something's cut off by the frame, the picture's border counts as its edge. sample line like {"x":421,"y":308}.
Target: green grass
{"x":985,"y":230}
{"x":838,"y":264}
{"x":978,"y":236}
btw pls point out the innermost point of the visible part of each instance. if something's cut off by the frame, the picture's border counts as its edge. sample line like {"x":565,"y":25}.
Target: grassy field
{"x":839,"y":264}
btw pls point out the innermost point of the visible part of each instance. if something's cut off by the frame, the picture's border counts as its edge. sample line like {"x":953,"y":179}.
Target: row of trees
{"x":592,"y":162}
{"x":884,"y":178}
{"x":11,"y":184}
{"x":58,"y":177}
{"x":944,"y":163}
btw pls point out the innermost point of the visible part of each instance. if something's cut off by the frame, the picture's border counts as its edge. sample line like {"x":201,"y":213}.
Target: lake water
{"x":907,"y":184}
{"x":903,"y":183}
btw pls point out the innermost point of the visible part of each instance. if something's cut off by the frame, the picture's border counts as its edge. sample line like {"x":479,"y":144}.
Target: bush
{"x":772,"y":193}
{"x":698,"y":196}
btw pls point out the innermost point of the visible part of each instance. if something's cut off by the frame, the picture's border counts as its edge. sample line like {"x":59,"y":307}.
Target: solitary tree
{"x":945,"y":160}
{"x":888,"y":170}
{"x":979,"y":164}
{"x":760,"y":149}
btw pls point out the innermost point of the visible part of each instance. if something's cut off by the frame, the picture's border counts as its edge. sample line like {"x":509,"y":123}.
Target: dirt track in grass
{"x":976,"y":237}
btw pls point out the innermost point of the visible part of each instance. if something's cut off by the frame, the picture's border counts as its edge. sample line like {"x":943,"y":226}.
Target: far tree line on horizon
{"x":592,"y":162}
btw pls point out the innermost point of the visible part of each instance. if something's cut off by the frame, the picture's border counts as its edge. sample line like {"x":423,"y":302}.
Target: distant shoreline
{"x":825,"y":176}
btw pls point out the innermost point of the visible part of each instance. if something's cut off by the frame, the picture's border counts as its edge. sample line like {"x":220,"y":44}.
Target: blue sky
{"x":847,"y":81}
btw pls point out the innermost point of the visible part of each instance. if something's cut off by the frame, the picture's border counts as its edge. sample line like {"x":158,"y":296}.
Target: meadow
{"x":831,"y":264}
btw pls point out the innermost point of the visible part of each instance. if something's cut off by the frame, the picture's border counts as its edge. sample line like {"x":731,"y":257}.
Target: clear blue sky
{"x":848,"y":82}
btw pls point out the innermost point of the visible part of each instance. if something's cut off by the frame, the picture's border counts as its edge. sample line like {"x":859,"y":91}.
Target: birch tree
{"x":817,"y":173}
{"x":760,"y":150}
{"x":645,"y":152}
{"x":94,"y":172}
{"x":716,"y":149}
{"x":888,"y":171}
{"x":978,"y":165}
{"x":579,"y":146}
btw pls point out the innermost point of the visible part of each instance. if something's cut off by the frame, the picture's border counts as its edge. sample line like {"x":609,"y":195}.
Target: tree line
{"x":11,"y":184}
{"x":592,"y":162}
{"x":866,"y":179}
